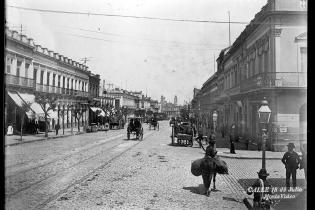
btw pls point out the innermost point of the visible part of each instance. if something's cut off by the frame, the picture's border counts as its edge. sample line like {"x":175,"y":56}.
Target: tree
{"x":47,"y":102}
{"x":78,"y":113}
{"x":62,"y":115}
{"x":25,"y":108}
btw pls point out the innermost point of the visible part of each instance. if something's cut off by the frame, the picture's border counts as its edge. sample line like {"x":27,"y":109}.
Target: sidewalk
{"x":223,"y":148}
{"x":16,"y":139}
{"x":248,"y":154}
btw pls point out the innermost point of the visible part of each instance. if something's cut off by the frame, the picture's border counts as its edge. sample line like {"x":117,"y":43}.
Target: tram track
{"x":10,"y":167}
{"x":42,"y":182}
{"x":10,"y":172}
{"x":47,"y":165}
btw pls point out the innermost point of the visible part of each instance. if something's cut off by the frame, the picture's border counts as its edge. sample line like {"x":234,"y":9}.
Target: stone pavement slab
{"x":249,"y":154}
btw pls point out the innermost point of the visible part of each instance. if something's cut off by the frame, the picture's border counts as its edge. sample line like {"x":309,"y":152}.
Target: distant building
{"x":31,"y":69}
{"x":266,"y":60}
{"x":175,"y":100}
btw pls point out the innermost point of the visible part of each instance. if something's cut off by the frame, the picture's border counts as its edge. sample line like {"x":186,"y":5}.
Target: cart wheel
{"x":191,"y":143}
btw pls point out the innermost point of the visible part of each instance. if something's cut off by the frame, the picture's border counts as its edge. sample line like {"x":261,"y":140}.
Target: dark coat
{"x":291,"y":160}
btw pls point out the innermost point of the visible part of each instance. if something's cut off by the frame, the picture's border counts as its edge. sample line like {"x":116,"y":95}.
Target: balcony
{"x":59,"y":90}
{"x":18,"y":81}
{"x":45,"y":88}
{"x":275,"y":80}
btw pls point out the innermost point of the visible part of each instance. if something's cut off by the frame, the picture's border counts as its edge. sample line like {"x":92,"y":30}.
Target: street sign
{"x":283,"y":129}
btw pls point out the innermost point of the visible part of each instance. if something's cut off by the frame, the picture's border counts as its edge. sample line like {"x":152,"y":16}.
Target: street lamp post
{"x":264,"y":113}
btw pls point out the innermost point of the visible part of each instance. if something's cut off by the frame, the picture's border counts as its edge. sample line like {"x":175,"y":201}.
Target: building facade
{"x":31,"y":69}
{"x":268,"y":59}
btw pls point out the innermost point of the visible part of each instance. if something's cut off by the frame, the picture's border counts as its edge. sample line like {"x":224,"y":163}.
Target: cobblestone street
{"x":152,"y":174}
{"x":123,"y":104}
{"x":155,"y":175}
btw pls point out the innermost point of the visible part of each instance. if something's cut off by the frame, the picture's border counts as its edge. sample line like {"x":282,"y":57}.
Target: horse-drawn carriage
{"x":116,"y":122}
{"x":183,"y":132}
{"x":135,"y":127}
{"x":154,"y":123}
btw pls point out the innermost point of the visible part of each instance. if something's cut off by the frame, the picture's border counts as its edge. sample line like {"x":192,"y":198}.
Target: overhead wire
{"x":158,"y":46}
{"x":124,"y":16}
{"x":120,"y":35}
{"x":134,"y":37}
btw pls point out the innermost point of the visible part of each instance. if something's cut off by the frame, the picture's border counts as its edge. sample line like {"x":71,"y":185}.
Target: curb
{"x":257,"y":158}
{"x":247,"y":203}
{"x":43,"y":139}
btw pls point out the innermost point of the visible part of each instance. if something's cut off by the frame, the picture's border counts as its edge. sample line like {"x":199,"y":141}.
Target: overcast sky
{"x":158,"y":57}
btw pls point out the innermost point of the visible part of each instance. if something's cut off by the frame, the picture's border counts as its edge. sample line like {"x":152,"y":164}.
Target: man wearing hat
{"x":291,"y":160}
{"x":260,"y":189}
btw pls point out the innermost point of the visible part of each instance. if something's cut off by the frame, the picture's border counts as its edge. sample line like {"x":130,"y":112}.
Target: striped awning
{"x":35,"y":107}
{"x":16,"y":98}
{"x":101,"y":112}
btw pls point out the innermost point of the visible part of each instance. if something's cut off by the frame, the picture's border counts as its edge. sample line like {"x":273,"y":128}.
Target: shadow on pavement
{"x":231,"y":199}
{"x":197,"y":190}
{"x":131,"y":139}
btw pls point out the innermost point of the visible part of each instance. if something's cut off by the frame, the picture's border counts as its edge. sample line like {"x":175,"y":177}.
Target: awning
{"x":101,"y":112}
{"x":16,"y":98}
{"x":19,"y":102}
{"x":53,"y":114}
{"x":30,"y":98}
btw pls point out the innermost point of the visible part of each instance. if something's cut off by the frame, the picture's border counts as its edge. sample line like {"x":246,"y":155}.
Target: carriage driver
{"x":131,"y":124}
{"x":137,"y":123}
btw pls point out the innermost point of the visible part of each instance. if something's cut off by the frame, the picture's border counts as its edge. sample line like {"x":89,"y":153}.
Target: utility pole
{"x":85,"y":59}
{"x":229,"y":31}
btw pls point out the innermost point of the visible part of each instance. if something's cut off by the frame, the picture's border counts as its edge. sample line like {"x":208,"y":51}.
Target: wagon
{"x":135,"y":128}
{"x":183,"y":133}
{"x":154,"y":123}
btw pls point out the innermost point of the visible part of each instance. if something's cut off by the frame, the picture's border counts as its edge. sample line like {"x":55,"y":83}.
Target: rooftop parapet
{"x":38,"y":48}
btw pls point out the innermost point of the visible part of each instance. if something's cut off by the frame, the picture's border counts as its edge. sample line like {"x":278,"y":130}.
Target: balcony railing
{"x":18,"y":81}
{"x":58,"y":90}
{"x":275,"y":80}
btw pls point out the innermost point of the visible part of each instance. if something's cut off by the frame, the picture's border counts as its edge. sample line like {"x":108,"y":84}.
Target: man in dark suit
{"x":291,"y":160}
{"x":232,"y":139}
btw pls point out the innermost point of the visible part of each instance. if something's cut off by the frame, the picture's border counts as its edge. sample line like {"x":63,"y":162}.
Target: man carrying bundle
{"x":209,"y":166}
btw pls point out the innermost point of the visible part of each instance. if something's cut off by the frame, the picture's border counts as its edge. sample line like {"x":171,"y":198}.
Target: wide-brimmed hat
{"x":291,"y":145}
{"x":263,"y":172}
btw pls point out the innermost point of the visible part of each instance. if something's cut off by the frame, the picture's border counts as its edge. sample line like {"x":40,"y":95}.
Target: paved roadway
{"x":105,"y":171}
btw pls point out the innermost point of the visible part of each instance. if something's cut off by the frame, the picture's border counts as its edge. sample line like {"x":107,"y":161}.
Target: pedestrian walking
{"x":57,"y":127}
{"x":208,"y":168}
{"x":223,"y":131}
{"x":10,"y":130}
{"x":212,"y":139}
{"x":36,"y":127}
{"x":232,"y":139}
{"x":291,"y":160}
{"x":260,"y":200}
